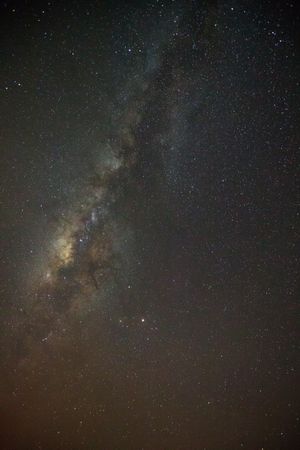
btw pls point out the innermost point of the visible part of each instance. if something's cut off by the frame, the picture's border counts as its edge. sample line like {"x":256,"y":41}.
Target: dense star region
{"x":149,"y":225}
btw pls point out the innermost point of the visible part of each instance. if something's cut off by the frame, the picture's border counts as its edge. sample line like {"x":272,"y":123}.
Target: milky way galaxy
{"x":148,"y":206}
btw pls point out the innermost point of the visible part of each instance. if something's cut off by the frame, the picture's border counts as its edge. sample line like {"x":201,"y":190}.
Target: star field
{"x":149,"y":262}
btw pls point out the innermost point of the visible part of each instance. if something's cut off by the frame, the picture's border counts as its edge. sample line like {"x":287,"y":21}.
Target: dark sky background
{"x":149,"y":225}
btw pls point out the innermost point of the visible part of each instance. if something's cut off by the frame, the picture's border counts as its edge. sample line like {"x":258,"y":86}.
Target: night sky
{"x":149,"y":258}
